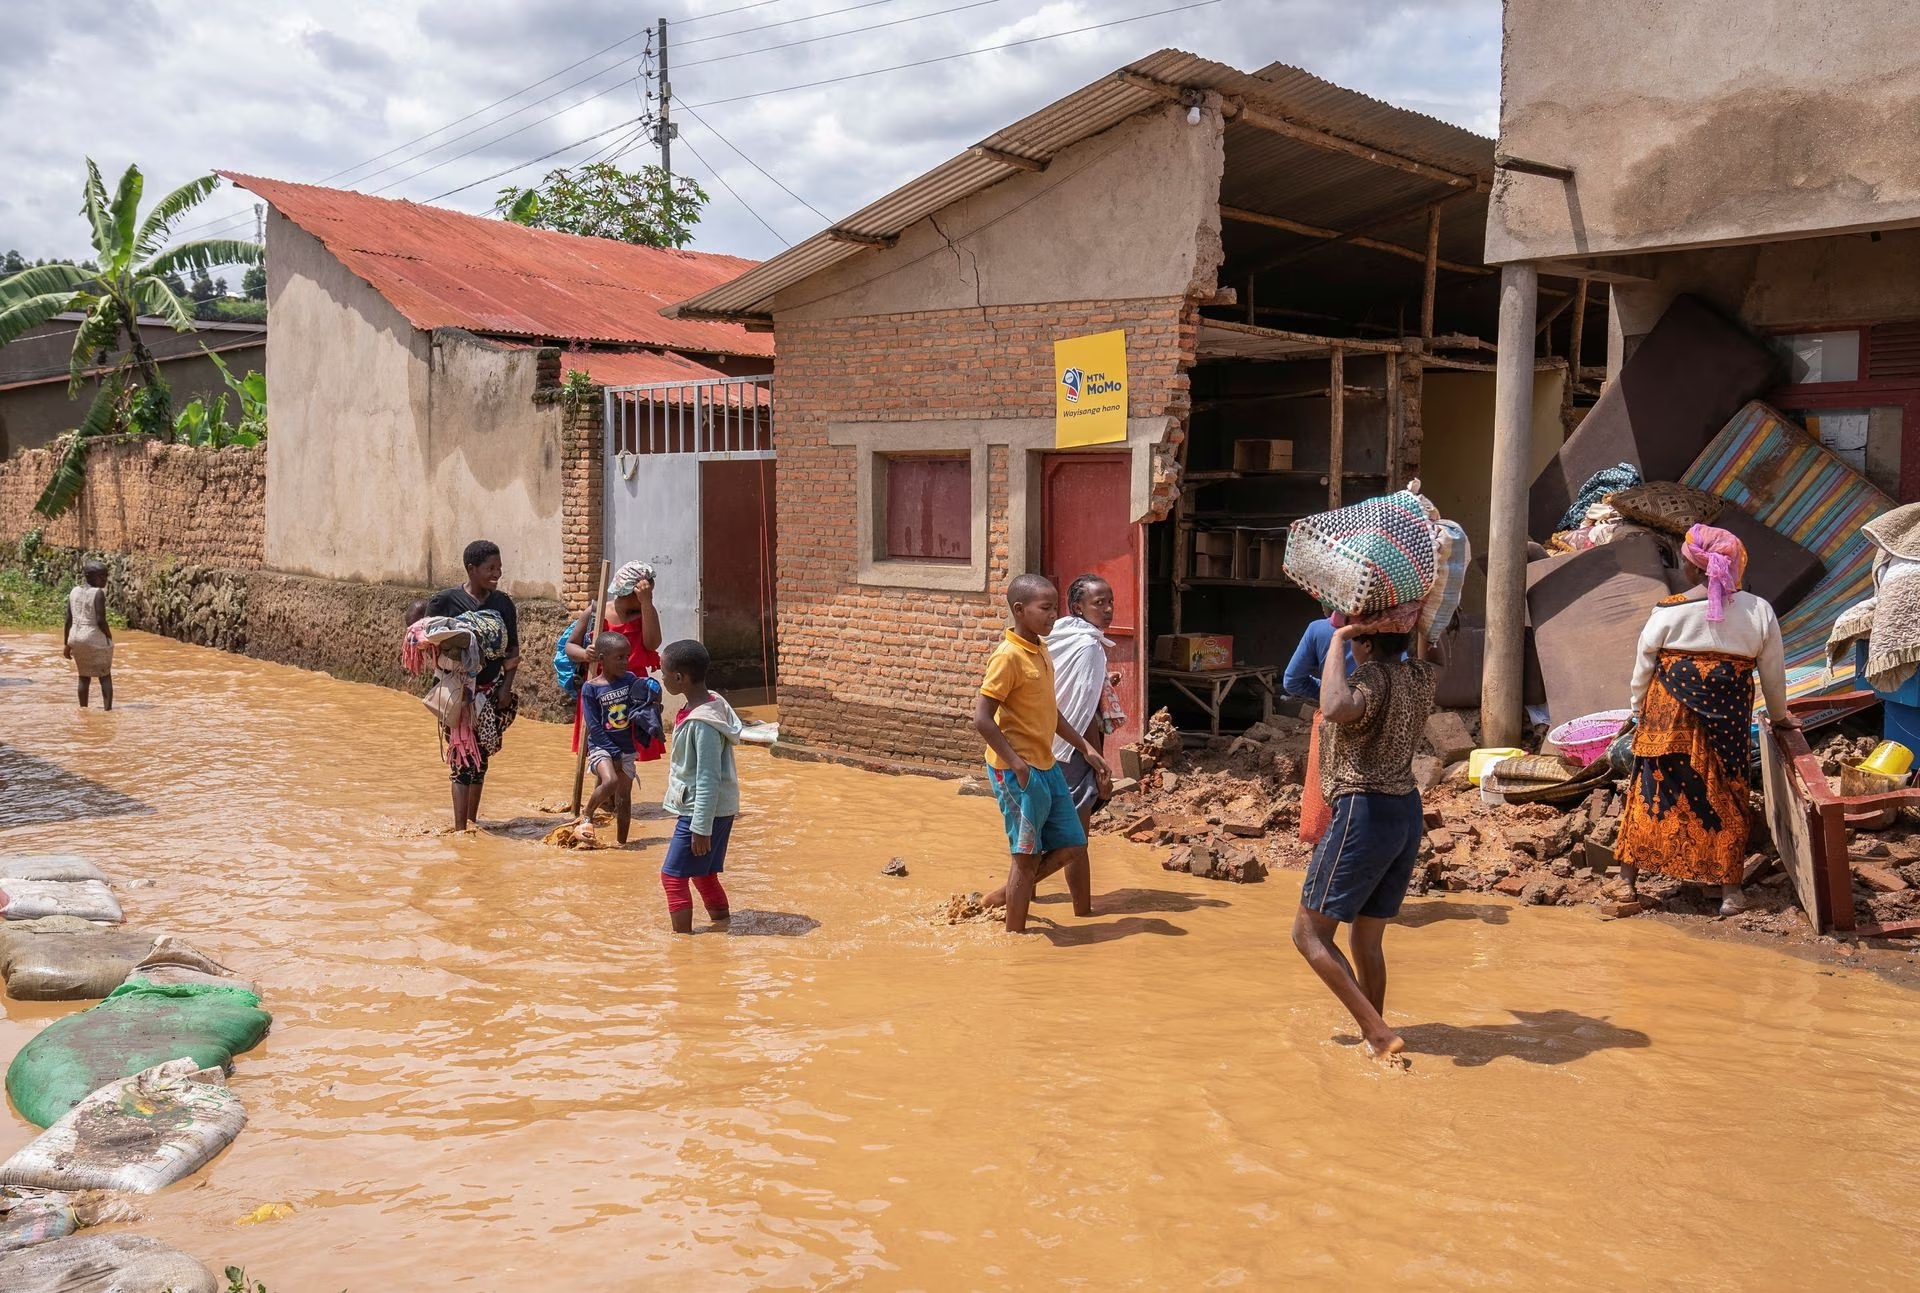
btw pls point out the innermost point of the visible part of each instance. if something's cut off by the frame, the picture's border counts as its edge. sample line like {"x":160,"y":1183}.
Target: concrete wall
{"x":204,"y":506}
{"x":1128,"y":215}
{"x":347,"y":417}
{"x":32,"y":416}
{"x":1457,"y":409}
{"x":495,"y":463}
{"x":1715,"y":121}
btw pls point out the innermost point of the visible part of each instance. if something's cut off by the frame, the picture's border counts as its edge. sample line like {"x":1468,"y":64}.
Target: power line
{"x":702,"y":17}
{"x":784,"y":22}
{"x":756,"y":165}
{"x":832,"y":35}
{"x":715,"y":172}
{"x":521,"y":166}
{"x":948,"y":58}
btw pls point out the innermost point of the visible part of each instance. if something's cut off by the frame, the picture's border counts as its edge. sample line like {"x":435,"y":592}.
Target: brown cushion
{"x":1587,"y":611}
{"x":1691,"y":373}
{"x":1663,"y":505}
{"x":1778,"y":569}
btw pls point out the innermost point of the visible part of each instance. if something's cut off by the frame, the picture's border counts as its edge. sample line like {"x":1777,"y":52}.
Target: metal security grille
{"x":717,"y":418}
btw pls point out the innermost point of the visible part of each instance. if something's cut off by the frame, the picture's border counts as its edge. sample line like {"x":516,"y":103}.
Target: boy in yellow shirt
{"x":1017,"y":716}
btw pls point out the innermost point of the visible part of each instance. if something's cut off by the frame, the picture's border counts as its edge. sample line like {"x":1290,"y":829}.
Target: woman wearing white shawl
{"x":1082,"y":685}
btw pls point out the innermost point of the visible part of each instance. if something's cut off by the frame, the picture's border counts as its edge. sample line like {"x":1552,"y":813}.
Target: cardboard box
{"x":1258,"y":557}
{"x":1263,"y":455}
{"x":1194,"y":652}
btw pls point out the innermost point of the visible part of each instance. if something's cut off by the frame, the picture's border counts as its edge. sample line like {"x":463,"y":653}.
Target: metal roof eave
{"x":1036,"y":139}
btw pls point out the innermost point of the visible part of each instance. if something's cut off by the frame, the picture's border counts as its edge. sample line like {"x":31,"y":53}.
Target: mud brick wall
{"x":200,"y":506}
{"x":890,"y":673}
{"x":583,"y":495}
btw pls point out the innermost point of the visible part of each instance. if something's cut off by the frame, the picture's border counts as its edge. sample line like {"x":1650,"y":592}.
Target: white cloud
{"x":316,"y":90}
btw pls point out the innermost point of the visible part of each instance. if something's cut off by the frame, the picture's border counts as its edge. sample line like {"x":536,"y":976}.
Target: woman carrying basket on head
{"x":1687,"y":800}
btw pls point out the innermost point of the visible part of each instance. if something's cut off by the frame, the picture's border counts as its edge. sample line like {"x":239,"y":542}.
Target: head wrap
{"x":628,"y":577}
{"x":1723,"y":557}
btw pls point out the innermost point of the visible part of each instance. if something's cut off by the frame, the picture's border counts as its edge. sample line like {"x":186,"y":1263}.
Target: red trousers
{"x":711,"y":893}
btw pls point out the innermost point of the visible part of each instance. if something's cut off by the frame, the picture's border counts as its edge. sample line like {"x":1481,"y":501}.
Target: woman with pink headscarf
{"x":1687,"y":801}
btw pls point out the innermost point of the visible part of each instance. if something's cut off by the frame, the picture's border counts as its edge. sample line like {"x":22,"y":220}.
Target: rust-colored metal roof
{"x":636,"y":368}
{"x":448,"y":269}
{"x":1277,"y":89}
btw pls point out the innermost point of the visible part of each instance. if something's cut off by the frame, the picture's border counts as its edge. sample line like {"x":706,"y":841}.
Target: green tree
{"x":253,"y":284}
{"x":600,"y":200}
{"x":129,"y":280}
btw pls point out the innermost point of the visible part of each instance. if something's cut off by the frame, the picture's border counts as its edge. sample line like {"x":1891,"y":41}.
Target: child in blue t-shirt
{"x":622,"y":711}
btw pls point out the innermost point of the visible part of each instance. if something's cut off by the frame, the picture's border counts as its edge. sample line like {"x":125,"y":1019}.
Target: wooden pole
{"x":1336,"y":423}
{"x":593,"y":631}
{"x":1573,"y":349}
{"x":1502,"y":686}
{"x":1395,"y":432}
{"x":1432,"y":275}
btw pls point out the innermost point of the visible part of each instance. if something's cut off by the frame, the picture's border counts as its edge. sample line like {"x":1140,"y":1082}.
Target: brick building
{"x":1288,"y":260}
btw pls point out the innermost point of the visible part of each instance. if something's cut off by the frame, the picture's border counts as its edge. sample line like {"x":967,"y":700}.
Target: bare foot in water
{"x":1390,"y":1050}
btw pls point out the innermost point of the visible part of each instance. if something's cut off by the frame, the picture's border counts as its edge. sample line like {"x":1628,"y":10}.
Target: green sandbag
{"x":140,"y":1025}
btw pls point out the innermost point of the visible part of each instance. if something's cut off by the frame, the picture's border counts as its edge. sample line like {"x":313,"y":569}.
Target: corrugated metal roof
{"x":636,"y":368}
{"x":448,"y":269}
{"x":1277,"y":89}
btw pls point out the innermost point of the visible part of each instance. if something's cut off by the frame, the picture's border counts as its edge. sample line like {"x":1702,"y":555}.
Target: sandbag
{"x":1366,"y":558}
{"x":138,"y":1135}
{"x":114,"y":1263}
{"x":137,"y":1027}
{"x":48,"y":866}
{"x":87,"y":899}
{"x":34,"y":1217}
{"x":170,"y":975}
{"x":63,"y":958}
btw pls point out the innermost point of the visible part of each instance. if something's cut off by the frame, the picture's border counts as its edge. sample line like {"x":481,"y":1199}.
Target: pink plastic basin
{"x":1586,"y":738}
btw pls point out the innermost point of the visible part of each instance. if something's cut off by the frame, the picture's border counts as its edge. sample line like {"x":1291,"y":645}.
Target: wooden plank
{"x":1247,"y":115}
{"x":1245,"y":216}
{"x":1432,"y":272}
{"x":1792,"y":819}
{"x":862,"y":239}
{"x":1337,"y":425}
{"x":1573,"y":346}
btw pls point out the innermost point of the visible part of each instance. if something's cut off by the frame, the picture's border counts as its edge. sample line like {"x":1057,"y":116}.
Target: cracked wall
{"x":1703,"y":123}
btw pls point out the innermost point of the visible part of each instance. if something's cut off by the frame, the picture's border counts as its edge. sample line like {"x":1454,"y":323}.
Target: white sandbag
{"x":115,"y":1263}
{"x":140,"y":1134}
{"x":29,"y":1217}
{"x":87,"y":899}
{"x":48,"y":866}
{"x":760,"y":734}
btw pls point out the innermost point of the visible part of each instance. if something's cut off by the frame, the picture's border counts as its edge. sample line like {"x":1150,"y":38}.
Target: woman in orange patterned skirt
{"x":1687,"y":801}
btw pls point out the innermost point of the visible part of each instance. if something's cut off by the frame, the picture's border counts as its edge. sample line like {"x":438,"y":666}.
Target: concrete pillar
{"x":1502,"y":685}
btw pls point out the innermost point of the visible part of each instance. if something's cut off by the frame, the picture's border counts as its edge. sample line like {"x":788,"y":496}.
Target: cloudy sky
{"x":445,"y":101}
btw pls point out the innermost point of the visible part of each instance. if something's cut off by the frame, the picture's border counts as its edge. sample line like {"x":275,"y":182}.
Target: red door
{"x":1085,"y":530}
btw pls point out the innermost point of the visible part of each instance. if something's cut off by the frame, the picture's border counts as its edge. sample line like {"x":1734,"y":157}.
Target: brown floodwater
{"x":492,"y":1067}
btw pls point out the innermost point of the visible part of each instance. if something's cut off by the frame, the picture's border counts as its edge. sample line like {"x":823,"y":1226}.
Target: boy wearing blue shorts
{"x":1018,"y":717}
{"x":1362,"y":865}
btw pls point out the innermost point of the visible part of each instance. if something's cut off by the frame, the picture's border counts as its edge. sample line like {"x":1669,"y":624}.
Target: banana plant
{"x":134,"y":260}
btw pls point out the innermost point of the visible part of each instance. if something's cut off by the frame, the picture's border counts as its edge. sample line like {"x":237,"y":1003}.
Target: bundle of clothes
{"x":1889,"y":621}
{"x":454,"y":649}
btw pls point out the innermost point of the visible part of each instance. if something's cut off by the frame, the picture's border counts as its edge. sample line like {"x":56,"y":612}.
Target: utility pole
{"x":260,"y":223}
{"x":664,"y":131}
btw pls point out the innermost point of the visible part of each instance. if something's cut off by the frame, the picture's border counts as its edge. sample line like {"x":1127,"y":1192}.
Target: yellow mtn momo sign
{"x":1090,"y":390}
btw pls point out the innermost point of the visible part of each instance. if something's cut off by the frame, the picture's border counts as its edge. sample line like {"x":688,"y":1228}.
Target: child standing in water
{"x":702,"y":788}
{"x":88,"y":640}
{"x":621,"y":710}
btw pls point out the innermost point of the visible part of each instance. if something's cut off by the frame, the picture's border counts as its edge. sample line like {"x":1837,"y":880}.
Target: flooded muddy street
{"x":492,"y":1067}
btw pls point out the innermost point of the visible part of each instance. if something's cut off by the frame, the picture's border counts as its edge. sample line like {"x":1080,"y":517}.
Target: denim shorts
{"x":1364,"y":862}
{"x":1041,"y":817}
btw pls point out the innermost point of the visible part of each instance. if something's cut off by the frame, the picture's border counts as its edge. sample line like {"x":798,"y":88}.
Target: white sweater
{"x":1750,"y":629}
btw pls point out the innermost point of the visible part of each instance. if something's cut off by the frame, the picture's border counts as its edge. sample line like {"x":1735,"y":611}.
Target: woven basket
{"x":1666,"y":506}
{"x":1364,"y":559}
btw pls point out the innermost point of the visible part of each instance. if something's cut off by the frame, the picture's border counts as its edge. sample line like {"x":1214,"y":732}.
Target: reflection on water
{"x":493,"y":1068}
{"x":36,"y":791}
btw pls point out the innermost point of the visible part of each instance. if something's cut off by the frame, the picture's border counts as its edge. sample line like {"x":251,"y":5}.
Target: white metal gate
{"x":658,"y":434}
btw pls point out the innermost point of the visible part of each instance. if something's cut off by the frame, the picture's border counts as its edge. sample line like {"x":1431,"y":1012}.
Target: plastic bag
{"x":87,"y":899}
{"x":48,"y":866}
{"x":1316,"y":814}
{"x":138,"y":1135}
{"x":33,"y":1217}
{"x":137,"y":1027}
{"x":116,"y":1263}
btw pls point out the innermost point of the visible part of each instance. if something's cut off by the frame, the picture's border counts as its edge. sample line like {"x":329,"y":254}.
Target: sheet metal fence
{"x":713,"y":418}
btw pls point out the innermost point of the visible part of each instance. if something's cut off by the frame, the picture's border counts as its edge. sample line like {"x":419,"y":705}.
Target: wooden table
{"x":1219,"y":683}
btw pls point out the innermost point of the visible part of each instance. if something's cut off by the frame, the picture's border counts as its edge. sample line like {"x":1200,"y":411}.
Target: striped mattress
{"x":1773,"y":468}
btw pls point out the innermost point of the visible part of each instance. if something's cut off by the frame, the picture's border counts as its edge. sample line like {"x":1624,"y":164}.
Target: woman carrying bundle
{"x":1687,"y":800}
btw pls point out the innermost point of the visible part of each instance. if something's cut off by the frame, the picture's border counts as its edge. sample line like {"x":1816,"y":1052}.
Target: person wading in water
{"x":481,"y":592}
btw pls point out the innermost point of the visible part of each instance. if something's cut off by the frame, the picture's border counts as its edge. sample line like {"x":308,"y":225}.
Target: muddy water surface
{"x":492,"y":1068}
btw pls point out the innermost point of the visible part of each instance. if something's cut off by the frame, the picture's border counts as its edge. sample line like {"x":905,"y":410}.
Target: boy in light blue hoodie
{"x":702,"y":789}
